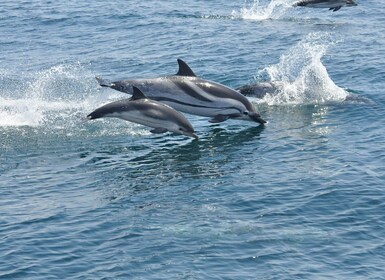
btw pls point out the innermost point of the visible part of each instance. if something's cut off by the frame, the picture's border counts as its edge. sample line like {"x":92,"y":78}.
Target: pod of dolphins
{"x":158,"y":102}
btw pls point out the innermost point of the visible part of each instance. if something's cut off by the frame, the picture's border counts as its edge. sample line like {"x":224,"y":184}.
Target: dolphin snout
{"x":193,"y":135}
{"x":94,"y":115}
{"x":190,"y":134}
{"x":257,"y":118}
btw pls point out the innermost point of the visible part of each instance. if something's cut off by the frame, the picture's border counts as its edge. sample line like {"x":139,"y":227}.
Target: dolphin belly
{"x":142,"y":110}
{"x":140,"y":118}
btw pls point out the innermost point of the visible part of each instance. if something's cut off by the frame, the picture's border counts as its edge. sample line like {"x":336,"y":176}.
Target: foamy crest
{"x":260,"y":10}
{"x":306,"y":78}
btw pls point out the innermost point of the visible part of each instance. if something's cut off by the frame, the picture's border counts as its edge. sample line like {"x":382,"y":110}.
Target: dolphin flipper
{"x":336,"y":8}
{"x":158,"y":130}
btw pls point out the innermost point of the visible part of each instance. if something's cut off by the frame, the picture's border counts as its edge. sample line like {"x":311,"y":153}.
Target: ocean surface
{"x":302,"y":197}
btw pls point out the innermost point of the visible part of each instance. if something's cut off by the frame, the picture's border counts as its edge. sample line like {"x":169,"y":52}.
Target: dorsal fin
{"x":184,"y":69}
{"x":137,"y":94}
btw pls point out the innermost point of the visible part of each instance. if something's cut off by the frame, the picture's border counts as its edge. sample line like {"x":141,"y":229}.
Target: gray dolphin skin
{"x":260,"y":90}
{"x":334,"y":5}
{"x":190,"y":94}
{"x":139,"y":109}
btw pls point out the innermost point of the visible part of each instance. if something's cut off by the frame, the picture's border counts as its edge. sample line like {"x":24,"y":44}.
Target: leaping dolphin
{"x":334,"y":5}
{"x":190,"y":94}
{"x":139,"y":109}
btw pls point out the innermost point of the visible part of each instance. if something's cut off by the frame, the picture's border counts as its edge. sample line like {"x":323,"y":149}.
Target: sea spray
{"x":262,"y":10}
{"x":56,"y":101}
{"x":306,"y":78}
{"x":47,"y":96}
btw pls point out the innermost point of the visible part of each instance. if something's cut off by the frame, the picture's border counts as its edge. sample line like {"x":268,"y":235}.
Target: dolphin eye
{"x":246,"y":113}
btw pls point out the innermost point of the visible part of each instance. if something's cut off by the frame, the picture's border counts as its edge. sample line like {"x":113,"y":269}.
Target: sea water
{"x":299,"y":198}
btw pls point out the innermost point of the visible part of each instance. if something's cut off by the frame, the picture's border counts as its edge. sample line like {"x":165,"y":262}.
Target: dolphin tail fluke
{"x":104,"y":83}
{"x":336,"y":8}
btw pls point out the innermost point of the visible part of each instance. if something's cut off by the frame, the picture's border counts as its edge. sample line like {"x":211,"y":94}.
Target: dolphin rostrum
{"x":190,"y":94}
{"x":334,"y":5}
{"x":261,"y":89}
{"x":142,"y":110}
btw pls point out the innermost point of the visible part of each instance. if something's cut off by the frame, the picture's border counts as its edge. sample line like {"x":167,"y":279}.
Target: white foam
{"x":260,"y":10}
{"x":306,"y":78}
{"x":61,"y":92}
{"x":57,"y":100}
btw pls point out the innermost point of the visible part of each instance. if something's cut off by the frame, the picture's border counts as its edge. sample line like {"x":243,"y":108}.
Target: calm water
{"x":301,"y":198}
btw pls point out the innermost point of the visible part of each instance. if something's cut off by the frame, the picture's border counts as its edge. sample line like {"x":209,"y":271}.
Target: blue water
{"x":301,"y":198}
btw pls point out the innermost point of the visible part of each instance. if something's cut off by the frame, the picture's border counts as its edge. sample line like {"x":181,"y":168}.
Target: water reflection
{"x":298,"y":119}
{"x":165,"y":161}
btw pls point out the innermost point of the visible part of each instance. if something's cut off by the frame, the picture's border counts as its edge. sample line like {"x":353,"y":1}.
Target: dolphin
{"x":334,"y":5}
{"x":142,"y":110}
{"x":190,"y":94}
{"x":261,"y":89}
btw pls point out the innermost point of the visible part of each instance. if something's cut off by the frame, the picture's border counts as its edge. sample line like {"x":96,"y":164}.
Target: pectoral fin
{"x":219,"y":118}
{"x":159,"y":130}
{"x":336,"y":8}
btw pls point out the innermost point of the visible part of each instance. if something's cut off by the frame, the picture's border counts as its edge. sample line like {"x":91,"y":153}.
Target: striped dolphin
{"x":334,"y":5}
{"x":190,"y":94}
{"x":139,"y":109}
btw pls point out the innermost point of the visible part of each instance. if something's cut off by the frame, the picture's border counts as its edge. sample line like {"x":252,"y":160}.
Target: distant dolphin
{"x":259,"y":90}
{"x":139,"y":109}
{"x":273,"y":88}
{"x":190,"y":94}
{"x":334,"y":5}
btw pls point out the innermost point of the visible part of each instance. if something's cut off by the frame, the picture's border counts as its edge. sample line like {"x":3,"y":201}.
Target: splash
{"x":262,"y":11}
{"x":306,"y":80}
{"x":52,"y":97}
